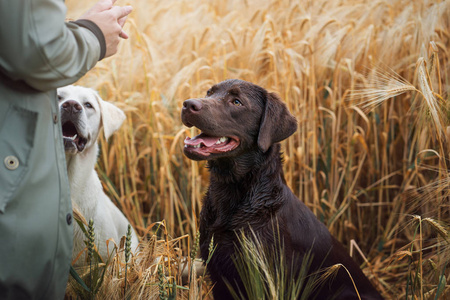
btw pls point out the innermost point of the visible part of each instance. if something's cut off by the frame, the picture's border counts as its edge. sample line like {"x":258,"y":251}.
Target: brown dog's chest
{"x":228,"y":209}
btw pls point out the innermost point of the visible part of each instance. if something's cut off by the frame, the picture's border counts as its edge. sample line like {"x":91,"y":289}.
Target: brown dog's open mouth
{"x":204,"y":145}
{"x":72,"y":138}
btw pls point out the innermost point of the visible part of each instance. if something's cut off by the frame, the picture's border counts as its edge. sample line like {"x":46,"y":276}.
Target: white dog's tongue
{"x":208,"y":141}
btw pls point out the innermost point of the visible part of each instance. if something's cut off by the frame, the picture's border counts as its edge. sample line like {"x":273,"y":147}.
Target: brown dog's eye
{"x":237,"y":102}
{"x":209,"y":93}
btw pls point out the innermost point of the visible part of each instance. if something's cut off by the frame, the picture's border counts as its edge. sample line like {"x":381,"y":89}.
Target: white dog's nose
{"x":72,"y":106}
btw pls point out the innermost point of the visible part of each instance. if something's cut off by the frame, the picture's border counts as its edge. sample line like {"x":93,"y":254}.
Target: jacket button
{"x":69,"y":219}
{"x":11,"y":162}
{"x":55,"y":118}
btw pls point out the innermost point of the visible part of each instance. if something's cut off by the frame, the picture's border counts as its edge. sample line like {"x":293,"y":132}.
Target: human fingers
{"x":122,"y":21}
{"x":123,"y":35}
{"x":121,"y":11}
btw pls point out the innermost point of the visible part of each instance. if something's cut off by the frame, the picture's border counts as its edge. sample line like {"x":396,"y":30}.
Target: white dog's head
{"x":83,"y":113}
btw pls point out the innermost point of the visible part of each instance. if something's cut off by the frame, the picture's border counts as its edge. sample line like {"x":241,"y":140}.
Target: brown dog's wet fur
{"x":242,"y":125}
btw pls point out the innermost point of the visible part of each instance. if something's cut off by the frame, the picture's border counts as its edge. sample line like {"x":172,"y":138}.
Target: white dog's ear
{"x":112,"y":117}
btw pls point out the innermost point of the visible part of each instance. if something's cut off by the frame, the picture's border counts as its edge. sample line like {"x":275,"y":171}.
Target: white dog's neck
{"x":83,"y":179}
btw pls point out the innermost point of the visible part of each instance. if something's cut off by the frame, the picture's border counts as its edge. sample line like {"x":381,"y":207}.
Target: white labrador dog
{"x":83,"y":114}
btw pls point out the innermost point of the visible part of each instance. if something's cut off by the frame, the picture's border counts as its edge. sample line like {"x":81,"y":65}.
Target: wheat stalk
{"x":432,"y":105}
{"x":383,"y":85}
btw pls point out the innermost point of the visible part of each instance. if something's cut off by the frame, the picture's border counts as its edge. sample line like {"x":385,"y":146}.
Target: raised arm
{"x":41,"y":49}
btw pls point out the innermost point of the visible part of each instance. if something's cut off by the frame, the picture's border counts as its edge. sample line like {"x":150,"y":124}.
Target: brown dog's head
{"x":235,"y":117}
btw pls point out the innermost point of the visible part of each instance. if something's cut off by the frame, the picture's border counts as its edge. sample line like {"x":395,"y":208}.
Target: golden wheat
{"x":359,"y":167}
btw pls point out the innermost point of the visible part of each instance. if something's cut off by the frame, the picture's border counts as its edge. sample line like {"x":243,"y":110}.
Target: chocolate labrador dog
{"x":241,"y":126}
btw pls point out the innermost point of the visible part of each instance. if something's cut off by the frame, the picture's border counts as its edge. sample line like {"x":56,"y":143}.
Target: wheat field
{"x":368,"y":82}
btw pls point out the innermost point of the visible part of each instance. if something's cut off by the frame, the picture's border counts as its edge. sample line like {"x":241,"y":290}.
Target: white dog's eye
{"x":60,"y":98}
{"x":88,"y":105}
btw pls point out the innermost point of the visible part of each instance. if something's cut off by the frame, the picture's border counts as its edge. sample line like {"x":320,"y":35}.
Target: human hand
{"x":110,"y":19}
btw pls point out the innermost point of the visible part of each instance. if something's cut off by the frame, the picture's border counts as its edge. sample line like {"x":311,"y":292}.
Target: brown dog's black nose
{"x":192,"y":105}
{"x":72,"y":106}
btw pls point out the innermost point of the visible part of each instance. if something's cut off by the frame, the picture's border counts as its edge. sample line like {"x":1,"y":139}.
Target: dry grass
{"x":368,"y":83}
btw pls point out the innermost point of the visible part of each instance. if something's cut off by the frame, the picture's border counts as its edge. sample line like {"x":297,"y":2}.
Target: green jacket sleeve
{"x":38,"y":47}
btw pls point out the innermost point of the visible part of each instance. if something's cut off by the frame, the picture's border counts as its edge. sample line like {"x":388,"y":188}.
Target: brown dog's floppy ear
{"x":277,"y":123}
{"x":112,"y":117}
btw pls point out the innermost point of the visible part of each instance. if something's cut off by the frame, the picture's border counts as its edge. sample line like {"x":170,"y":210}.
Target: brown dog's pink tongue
{"x":208,"y":141}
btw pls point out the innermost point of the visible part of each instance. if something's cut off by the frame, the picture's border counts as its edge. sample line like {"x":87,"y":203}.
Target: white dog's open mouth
{"x":72,"y":138}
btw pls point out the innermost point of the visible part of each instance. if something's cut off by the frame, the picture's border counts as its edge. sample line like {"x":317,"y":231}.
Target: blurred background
{"x":368,"y":82}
